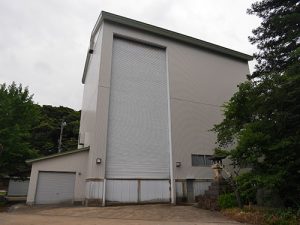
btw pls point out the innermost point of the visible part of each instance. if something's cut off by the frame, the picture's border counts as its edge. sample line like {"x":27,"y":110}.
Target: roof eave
{"x":170,"y":34}
{"x":106,"y":16}
{"x":30,"y":161}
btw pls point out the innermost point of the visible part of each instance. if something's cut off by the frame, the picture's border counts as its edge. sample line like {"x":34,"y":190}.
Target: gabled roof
{"x":106,"y":16}
{"x":29,"y":161}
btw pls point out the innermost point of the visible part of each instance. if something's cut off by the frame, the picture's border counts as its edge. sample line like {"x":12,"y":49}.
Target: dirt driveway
{"x":137,"y":214}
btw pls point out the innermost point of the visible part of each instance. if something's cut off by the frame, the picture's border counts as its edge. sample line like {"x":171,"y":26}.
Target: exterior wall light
{"x":98,"y":161}
{"x":178,"y":164}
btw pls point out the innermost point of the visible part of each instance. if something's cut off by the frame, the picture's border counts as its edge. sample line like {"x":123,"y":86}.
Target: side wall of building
{"x":90,"y":94}
{"x":69,"y":163}
{"x":200,"y":82}
{"x":91,"y":126}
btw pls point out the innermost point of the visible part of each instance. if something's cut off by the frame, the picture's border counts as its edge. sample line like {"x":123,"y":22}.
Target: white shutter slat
{"x":138,"y":144}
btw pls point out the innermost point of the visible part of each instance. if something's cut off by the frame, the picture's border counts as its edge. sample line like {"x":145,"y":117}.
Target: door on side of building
{"x":138,"y":148}
{"x":190,"y":190}
{"x":55,"y":187}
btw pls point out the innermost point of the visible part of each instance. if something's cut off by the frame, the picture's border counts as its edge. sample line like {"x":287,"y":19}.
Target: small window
{"x":201,"y":160}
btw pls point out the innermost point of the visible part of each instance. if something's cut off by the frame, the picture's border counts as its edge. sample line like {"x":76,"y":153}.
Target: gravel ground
{"x":116,"y":215}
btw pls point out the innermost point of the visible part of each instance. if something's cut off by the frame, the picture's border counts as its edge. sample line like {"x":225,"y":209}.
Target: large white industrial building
{"x":150,"y":98}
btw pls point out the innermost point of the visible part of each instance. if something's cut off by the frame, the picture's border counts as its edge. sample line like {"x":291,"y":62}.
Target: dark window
{"x":201,"y":160}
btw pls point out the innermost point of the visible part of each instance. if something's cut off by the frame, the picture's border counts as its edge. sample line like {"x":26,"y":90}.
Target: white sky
{"x":43,"y":43}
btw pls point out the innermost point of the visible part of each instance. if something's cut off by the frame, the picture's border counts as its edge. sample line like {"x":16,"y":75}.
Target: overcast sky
{"x":43,"y":43}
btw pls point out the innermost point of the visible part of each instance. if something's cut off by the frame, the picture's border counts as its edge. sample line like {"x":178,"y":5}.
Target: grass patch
{"x":263,"y":216}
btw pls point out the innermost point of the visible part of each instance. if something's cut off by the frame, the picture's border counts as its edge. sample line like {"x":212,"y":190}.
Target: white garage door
{"x":55,"y":187}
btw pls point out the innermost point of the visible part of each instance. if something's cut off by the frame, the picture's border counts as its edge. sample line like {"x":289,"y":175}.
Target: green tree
{"x":262,"y":120}
{"x":28,"y":130}
{"x":18,"y":115}
{"x":46,"y":134}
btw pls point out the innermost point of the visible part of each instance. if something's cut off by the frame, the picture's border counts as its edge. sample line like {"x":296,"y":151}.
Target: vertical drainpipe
{"x":173,"y":199}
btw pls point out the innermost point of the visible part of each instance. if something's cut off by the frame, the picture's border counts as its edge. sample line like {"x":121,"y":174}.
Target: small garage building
{"x":58,"y":178}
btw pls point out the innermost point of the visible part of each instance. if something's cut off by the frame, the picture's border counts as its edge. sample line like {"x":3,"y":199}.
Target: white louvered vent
{"x":138,"y":143}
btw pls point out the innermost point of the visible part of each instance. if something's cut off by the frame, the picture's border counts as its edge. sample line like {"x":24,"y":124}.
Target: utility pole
{"x":62,"y":125}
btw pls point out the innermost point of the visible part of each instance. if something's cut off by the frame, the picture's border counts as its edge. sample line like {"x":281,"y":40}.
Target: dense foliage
{"x":46,"y":134}
{"x":227,"y":200}
{"x":28,"y":130}
{"x":262,"y":120}
{"x":18,"y":115}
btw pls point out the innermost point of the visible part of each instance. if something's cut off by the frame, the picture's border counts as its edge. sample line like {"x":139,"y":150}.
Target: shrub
{"x":227,"y":201}
{"x":247,"y":187}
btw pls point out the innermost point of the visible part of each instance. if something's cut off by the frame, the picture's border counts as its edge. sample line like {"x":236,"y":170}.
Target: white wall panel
{"x":138,"y":141}
{"x":155,"y":190}
{"x":121,"y":191}
{"x":200,"y":187}
{"x":89,"y":101}
{"x":179,"y":189}
{"x":94,"y":189}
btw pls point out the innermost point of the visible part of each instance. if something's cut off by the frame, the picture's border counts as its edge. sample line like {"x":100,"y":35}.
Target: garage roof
{"x":106,"y":16}
{"x":29,"y":161}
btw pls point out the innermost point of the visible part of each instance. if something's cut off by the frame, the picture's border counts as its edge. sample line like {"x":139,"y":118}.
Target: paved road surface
{"x":117,"y":215}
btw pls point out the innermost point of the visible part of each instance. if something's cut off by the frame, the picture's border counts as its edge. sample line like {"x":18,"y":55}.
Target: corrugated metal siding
{"x":200,"y":187}
{"x":138,"y":143}
{"x":187,"y":190}
{"x":17,"y":187}
{"x":155,"y":190}
{"x":55,"y":187}
{"x":179,"y":189}
{"x":121,"y":191}
{"x":94,"y":189}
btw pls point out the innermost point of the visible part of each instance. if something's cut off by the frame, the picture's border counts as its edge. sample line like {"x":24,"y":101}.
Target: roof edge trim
{"x":30,"y":161}
{"x":106,"y":16}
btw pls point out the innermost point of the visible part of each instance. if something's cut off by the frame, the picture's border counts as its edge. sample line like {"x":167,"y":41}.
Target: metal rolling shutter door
{"x":55,"y":187}
{"x":17,"y":187}
{"x":138,"y":130}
